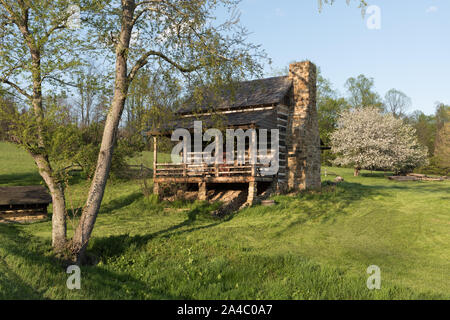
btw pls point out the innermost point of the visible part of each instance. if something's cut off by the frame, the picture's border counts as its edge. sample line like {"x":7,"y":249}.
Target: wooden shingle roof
{"x":25,"y":195}
{"x":260,"y":119}
{"x":260,"y":92}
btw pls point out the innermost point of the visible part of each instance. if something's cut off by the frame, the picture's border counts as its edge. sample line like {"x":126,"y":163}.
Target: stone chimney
{"x":303,"y":141}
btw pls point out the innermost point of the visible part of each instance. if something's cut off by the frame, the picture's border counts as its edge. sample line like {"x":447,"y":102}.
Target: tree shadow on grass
{"x":115,"y":204}
{"x":33,"y":254}
{"x":120,"y":202}
{"x":332,"y":202}
{"x":16,"y":245}
{"x":376,"y":174}
{"x":326,"y":206}
{"x":12,"y":286}
{"x":106,"y":284}
{"x":107,"y":207}
{"x":33,"y":178}
{"x":21,"y":179}
{"x":415,"y":186}
{"x":114,"y":246}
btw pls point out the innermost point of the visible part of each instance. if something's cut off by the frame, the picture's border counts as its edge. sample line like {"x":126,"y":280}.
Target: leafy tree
{"x":37,"y":48}
{"x":362,"y":3}
{"x":90,"y":86}
{"x":361,"y":93}
{"x":329,"y":107}
{"x":425,"y":127}
{"x":442,"y":143}
{"x":396,"y":102}
{"x":178,"y":38}
{"x":151,"y":102}
{"x":7,"y":106}
{"x":369,"y":139}
{"x":442,"y":115}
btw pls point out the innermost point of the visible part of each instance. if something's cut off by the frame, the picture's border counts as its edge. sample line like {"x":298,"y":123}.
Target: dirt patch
{"x":232,"y":201}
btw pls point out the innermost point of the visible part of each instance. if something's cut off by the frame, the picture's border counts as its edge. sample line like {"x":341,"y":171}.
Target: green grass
{"x":309,"y":246}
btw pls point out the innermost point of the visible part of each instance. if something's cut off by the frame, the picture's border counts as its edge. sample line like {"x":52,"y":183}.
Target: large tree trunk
{"x":96,"y":192}
{"x":59,"y":229}
{"x":95,"y":196}
{"x":39,"y":154}
{"x":356,"y":172}
{"x":86,"y":225}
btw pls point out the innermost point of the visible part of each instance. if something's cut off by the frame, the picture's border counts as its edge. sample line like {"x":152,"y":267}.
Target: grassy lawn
{"x":309,"y":246}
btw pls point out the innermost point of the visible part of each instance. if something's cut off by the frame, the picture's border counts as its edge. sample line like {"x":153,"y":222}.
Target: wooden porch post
{"x":202,"y":191}
{"x":253,"y":151}
{"x":252,"y":192}
{"x":155,"y":161}
{"x":155,"y":155}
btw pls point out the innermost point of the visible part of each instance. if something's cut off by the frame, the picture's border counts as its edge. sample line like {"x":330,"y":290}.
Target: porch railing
{"x":203,"y":169}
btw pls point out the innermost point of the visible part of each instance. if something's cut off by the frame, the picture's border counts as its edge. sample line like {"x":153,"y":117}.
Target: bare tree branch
{"x":148,"y":2}
{"x":144,"y":59}
{"x":47,"y":76}
{"x":140,"y":13}
{"x":53,"y":29}
{"x":15,"y":86}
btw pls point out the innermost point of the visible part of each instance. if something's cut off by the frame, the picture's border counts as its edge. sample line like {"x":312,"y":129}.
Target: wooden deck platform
{"x":23,"y":203}
{"x":206,"y":174}
{"x":211,"y":179}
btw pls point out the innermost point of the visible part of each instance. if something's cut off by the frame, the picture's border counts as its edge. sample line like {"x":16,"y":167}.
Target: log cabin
{"x":286,"y":103}
{"x":23,"y":203}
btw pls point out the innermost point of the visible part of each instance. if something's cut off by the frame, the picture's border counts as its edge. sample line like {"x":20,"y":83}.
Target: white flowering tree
{"x":368,"y":139}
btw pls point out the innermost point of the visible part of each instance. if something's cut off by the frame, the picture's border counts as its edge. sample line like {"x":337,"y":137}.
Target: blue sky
{"x":411,"y":51}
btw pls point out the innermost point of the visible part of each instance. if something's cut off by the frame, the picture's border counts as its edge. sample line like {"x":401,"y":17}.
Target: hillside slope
{"x":308,"y":246}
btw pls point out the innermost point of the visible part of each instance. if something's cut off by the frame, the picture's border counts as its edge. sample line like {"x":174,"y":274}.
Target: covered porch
{"x":205,"y":174}
{"x":195,"y":170}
